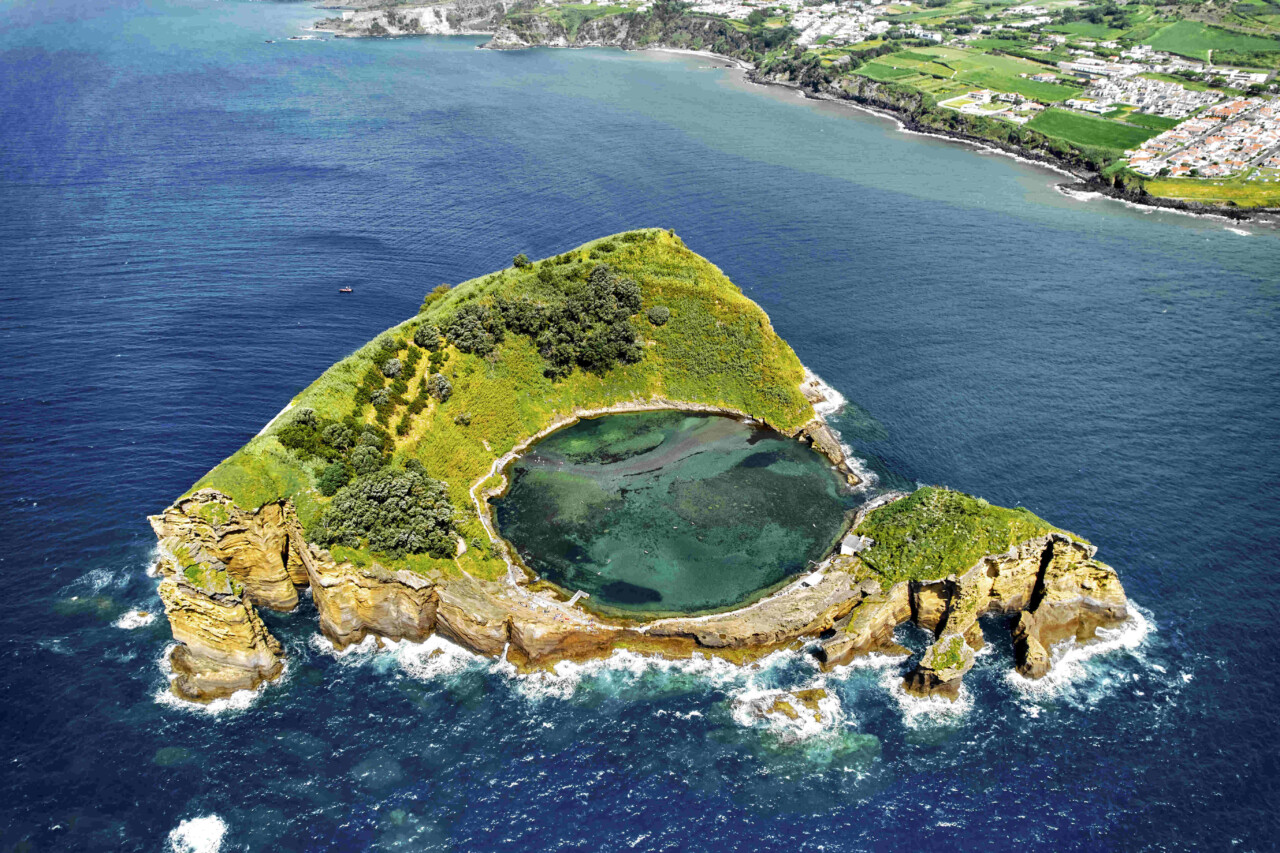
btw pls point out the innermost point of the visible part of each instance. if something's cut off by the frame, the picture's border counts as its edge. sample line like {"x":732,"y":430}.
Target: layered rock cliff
{"x":218,"y":562}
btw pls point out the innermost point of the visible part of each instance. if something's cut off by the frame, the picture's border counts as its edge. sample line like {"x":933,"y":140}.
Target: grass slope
{"x":717,"y":348}
{"x":1194,"y":39}
{"x":935,"y":532}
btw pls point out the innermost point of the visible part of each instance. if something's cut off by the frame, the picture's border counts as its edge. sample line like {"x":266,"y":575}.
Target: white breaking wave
{"x":135,"y":619}
{"x":833,"y":401}
{"x":239,"y":701}
{"x":1071,"y":670}
{"x":198,"y":835}
{"x":97,"y":581}
{"x":920,"y":712}
{"x":756,"y":708}
{"x":432,"y":658}
{"x":624,"y":669}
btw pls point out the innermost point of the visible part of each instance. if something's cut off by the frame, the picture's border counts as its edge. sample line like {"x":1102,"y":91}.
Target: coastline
{"x":1079,"y":181}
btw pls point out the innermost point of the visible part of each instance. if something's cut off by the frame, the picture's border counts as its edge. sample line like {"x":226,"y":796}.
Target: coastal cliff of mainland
{"x":668,"y":24}
{"x":371,"y":491}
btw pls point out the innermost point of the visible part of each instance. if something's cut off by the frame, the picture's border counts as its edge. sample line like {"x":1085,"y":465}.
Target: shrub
{"x":390,"y":512}
{"x":333,"y":478}
{"x":462,"y":419}
{"x":659,"y":315}
{"x":439,"y":387}
{"x":520,"y":261}
{"x":392,"y":368}
{"x":366,"y":459}
{"x":380,"y":398}
{"x":476,"y":328}
{"x":436,"y":361}
{"x":371,"y":437}
{"x":304,"y":417}
{"x":521,"y":315}
{"x":338,"y":436}
{"x":437,"y":293}
{"x":388,"y":344}
{"x":427,"y":336}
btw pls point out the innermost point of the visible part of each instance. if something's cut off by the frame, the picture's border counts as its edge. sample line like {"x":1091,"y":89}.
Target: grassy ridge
{"x":935,"y":532}
{"x":718,"y":348}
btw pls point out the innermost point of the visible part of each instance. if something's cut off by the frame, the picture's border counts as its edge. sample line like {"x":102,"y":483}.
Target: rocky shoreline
{"x":488,"y":18}
{"x":218,"y":563}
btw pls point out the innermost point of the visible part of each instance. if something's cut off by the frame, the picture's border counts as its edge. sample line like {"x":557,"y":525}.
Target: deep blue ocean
{"x":180,"y":202}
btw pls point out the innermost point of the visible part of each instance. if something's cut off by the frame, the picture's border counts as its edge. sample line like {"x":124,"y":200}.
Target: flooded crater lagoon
{"x":670,"y":512}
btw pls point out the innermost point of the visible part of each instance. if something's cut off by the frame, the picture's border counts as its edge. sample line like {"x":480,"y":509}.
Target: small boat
{"x":344,"y":290}
{"x":271,"y":41}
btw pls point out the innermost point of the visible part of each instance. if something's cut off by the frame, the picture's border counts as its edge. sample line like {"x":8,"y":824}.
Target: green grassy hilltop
{"x":488,"y":363}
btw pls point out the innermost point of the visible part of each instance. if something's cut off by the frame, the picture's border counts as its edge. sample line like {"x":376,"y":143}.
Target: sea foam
{"x":198,"y":835}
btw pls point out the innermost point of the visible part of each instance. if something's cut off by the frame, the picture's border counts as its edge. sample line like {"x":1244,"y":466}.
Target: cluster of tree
{"x":1108,"y":13}
{"x":391,"y":512}
{"x":350,"y":447}
{"x":588,"y":325}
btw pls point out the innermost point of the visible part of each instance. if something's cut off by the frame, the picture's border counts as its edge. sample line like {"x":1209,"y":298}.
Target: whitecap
{"x":832,"y":402}
{"x":753,"y":708}
{"x":1074,"y":665}
{"x":239,"y":701}
{"x":920,"y":712}
{"x":96,"y":581}
{"x":624,"y":669}
{"x":198,"y":835}
{"x":135,"y":619}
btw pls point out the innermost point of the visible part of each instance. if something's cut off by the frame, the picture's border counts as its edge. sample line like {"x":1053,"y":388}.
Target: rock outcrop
{"x":219,"y":562}
{"x":1052,"y":581}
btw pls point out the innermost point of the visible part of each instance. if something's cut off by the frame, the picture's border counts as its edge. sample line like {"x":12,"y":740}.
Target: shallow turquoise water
{"x":179,"y":204}
{"x":662,"y":512}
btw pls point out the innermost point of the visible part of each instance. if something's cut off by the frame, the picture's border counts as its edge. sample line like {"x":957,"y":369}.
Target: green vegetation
{"x":392,"y":513}
{"x":949,"y":654}
{"x":1194,"y":39}
{"x":1086,"y":130}
{"x":1156,"y":123}
{"x":1236,"y":191}
{"x":967,"y":69}
{"x":936,"y":532}
{"x":716,"y":348}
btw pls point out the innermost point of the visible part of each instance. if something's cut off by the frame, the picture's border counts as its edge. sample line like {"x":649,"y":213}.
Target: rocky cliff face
{"x":1052,"y":581}
{"x":218,"y":563}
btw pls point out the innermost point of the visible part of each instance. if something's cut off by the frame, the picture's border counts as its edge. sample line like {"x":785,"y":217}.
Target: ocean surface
{"x":670,"y":513}
{"x":180,"y":202}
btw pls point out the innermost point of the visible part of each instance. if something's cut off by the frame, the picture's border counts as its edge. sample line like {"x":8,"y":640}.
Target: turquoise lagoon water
{"x":664,"y":512}
{"x":179,"y":204}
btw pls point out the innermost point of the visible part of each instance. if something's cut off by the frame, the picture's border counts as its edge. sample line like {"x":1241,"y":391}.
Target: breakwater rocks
{"x":218,"y":563}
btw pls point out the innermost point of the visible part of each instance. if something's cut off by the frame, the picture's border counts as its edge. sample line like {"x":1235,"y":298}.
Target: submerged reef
{"x":372,"y":491}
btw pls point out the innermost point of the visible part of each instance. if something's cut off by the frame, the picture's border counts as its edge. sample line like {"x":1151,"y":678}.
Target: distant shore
{"x":1081,"y":181}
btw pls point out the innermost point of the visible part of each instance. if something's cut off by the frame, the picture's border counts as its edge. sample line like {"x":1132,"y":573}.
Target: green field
{"x":965,"y":69}
{"x":1234,"y":191}
{"x":1087,"y":30}
{"x":1086,"y":130}
{"x":1157,"y":123}
{"x":1193,"y":39}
